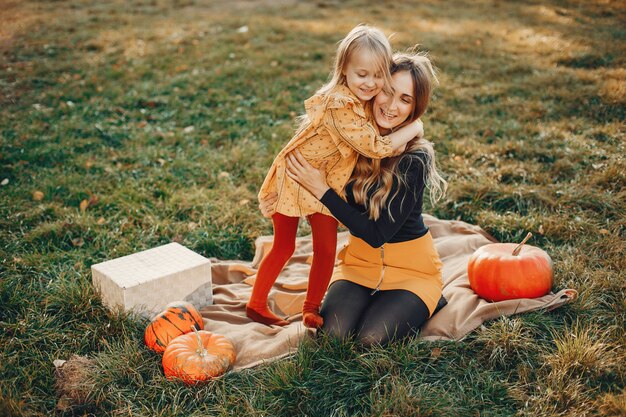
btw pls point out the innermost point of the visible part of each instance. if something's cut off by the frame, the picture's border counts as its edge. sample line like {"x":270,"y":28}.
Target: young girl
{"x":337,"y":128}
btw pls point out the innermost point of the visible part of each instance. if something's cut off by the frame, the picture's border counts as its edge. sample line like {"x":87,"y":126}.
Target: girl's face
{"x":390,"y":111}
{"x":362,"y":75}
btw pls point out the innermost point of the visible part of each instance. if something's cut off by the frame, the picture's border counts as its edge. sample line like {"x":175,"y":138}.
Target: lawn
{"x":129,"y":124}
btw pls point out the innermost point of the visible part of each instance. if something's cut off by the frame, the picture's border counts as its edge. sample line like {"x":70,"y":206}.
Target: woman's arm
{"x":374,"y":232}
{"x":267,"y":204}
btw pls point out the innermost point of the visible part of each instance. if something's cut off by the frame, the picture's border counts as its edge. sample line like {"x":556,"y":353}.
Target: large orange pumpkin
{"x":177,"y":319}
{"x":198,"y":356}
{"x":504,"y":271}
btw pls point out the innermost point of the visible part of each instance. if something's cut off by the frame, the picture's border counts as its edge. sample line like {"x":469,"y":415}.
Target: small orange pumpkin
{"x":198,"y":356}
{"x":504,"y":271}
{"x":177,"y":319}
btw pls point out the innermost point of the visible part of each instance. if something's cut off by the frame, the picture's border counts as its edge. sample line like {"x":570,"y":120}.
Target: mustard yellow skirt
{"x":413,"y":265}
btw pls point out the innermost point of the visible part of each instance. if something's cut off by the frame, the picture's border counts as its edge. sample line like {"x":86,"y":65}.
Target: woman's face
{"x":390,"y":111}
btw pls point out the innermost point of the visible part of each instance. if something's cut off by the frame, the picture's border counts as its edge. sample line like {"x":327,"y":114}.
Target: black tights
{"x":350,"y":309}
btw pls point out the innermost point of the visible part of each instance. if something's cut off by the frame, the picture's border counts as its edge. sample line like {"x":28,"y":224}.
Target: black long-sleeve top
{"x":406,"y":208}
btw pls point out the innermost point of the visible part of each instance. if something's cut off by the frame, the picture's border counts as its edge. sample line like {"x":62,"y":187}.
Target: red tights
{"x":324,"y":231}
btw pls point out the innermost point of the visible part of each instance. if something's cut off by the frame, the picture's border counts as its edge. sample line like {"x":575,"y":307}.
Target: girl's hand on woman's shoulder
{"x":399,"y":151}
{"x":419,"y":128}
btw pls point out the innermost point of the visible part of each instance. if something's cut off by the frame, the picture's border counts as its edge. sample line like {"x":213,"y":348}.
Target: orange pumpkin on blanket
{"x":177,"y":319}
{"x":504,"y":271}
{"x":198,"y":356}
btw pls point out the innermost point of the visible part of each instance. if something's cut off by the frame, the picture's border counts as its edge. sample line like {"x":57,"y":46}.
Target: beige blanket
{"x":257,"y":343}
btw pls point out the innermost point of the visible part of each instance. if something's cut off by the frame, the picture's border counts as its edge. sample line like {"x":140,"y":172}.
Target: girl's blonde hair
{"x":379,"y":174}
{"x":361,"y":37}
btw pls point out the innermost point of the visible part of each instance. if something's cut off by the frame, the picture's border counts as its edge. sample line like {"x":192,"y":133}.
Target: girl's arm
{"x":345,"y":126}
{"x":403,"y":135}
{"x":374,"y":232}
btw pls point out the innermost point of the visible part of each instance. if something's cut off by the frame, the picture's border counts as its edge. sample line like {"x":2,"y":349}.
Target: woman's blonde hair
{"x":361,"y":37}
{"x":379,"y":174}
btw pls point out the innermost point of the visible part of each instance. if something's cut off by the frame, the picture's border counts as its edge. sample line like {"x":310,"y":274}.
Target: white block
{"x":147,"y":281}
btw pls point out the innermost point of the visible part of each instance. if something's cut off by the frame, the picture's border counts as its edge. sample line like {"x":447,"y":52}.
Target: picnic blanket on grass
{"x":257,"y":343}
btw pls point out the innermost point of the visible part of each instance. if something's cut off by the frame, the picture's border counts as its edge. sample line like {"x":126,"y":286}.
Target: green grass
{"x":165,"y":118}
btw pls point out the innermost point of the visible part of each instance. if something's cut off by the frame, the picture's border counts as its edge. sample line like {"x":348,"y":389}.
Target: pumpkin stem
{"x":518,"y":248}
{"x":201,"y":350}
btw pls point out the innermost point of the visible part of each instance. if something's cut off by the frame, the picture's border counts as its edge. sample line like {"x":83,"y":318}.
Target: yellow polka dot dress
{"x":338,"y":130}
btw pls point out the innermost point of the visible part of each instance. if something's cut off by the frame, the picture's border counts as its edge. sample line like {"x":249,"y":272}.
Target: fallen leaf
{"x":188,"y":129}
{"x":4,"y":181}
{"x":83,"y":205}
{"x":93,"y":200}
{"x":243,"y":29}
{"x":435,"y":353}
{"x":78,"y":242}
{"x":223,"y":174}
{"x":58,"y":362}
{"x":38,"y":195}
{"x":604,"y":232}
{"x":244,"y":202}
{"x":101,"y":220}
{"x":541,"y":231}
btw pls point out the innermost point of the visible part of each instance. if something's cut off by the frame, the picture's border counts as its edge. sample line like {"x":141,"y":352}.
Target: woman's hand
{"x":267,"y":204}
{"x":299,"y":169}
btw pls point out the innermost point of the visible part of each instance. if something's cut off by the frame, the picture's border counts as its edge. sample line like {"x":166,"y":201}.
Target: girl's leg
{"x":342,"y":308}
{"x":285,"y":229}
{"x":391,"y":315}
{"x":324,"y":231}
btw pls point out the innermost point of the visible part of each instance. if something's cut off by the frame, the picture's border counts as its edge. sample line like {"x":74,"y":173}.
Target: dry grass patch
{"x":581,"y":354}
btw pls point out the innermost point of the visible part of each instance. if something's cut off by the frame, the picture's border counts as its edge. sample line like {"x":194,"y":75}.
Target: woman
{"x":390,"y":282}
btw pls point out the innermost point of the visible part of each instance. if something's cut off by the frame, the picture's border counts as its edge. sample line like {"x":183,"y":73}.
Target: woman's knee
{"x":373,"y":337}
{"x":336,"y":328}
